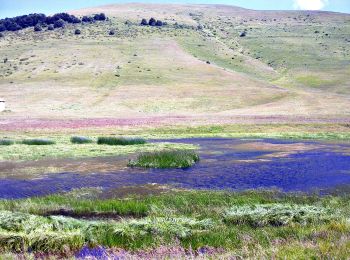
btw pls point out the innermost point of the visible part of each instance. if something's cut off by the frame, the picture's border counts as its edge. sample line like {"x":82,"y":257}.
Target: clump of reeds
{"x":38,"y":141}
{"x":6,"y":142}
{"x":80,"y":140}
{"x":166,"y":159}
{"x":120,"y":141}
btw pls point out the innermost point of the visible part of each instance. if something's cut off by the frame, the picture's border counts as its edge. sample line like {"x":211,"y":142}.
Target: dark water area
{"x":238,"y":164}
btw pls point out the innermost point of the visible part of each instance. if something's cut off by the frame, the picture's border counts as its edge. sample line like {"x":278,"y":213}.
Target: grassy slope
{"x":144,"y":72}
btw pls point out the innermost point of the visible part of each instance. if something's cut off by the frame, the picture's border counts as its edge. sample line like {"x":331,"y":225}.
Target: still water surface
{"x":237,"y":164}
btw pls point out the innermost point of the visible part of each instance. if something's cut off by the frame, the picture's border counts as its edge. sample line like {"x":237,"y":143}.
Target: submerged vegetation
{"x":120,"y":141}
{"x":166,"y":159}
{"x":250,"y":224}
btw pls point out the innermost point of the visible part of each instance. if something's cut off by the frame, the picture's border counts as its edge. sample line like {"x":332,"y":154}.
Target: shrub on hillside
{"x":59,"y":24}
{"x":111,"y":32}
{"x":62,"y":16}
{"x":77,"y":32}
{"x":37,"y":28}
{"x":12,"y":26}
{"x":1,"y":35}
{"x":144,"y":22}
{"x":50,"y":27}
{"x":74,"y":20}
{"x":100,"y":17}
{"x":152,"y":22}
{"x":159,"y":23}
{"x":243,"y":34}
{"x":25,"y":21}
{"x":87,"y":19}
{"x":2,"y":27}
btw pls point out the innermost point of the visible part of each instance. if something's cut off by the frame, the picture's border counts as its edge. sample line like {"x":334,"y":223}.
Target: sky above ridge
{"x":10,"y":8}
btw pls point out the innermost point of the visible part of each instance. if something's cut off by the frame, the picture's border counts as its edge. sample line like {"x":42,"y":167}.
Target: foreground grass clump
{"x":20,"y":232}
{"x":38,"y":142}
{"x":166,"y":159}
{"x":80,"y":140}
{"x":120,"y":141}
{"x":275,"y":214}
{"x":252,"y":224}
{"x":6,"y":142}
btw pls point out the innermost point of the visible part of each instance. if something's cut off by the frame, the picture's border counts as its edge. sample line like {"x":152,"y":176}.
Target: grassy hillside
{"x":289,"y":64}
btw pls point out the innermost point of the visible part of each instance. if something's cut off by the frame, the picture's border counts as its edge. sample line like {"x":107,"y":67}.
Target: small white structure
{"x":2,"y":104}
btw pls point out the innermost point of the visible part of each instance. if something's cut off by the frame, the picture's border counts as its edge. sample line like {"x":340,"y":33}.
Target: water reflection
{"x":225,"y":164}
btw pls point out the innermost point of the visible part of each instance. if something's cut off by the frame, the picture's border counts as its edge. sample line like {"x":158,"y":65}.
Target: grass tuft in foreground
{"x":38,"y":142}
{"x":275,"y":214}
{"x":120,"y":141}
{"x":166,"y":159}
{"x":80,"y":140}
{"x":20,"y":232}
{"x":6,"y":142}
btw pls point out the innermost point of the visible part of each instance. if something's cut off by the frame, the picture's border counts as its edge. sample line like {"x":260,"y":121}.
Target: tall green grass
{"x":166,"y":159}
{"x":38,"y":142}
{"x":80,"y":140}
{"x":252,"y":224}
{"x":20,"y":232}
{"x":6,"y":142}
{"x":276,"y":214}
{"x":120,"y":141}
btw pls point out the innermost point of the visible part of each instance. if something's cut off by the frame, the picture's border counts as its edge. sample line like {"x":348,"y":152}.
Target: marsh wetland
{"x":225,"y":163}
{"x":240,"y":188}
{"x":168,"y":131}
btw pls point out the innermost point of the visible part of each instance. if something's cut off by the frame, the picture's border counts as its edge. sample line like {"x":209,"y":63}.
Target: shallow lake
{"x":239,"y":164}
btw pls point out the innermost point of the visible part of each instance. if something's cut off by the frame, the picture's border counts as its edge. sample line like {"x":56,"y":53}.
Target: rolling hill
{"x":291,"y":66}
